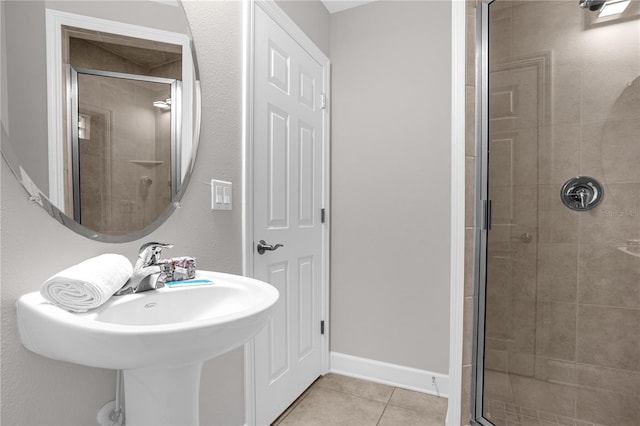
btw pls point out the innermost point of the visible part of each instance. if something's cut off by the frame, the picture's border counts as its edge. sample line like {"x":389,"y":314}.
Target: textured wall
{"x":39,"y":391}
{"x":390,"y":183}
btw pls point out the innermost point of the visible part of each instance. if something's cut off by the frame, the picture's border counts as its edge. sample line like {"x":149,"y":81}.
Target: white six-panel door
{"x":288,"y":148}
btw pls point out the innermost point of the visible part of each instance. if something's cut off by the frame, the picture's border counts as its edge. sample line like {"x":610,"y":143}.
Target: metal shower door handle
{"x":263,"y":246}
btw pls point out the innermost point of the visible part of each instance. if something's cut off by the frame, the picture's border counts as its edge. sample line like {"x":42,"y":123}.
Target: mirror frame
{"x":191,"y":133}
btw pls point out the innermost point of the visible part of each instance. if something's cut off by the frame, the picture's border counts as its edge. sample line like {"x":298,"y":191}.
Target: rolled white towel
{"x":88,"y":284}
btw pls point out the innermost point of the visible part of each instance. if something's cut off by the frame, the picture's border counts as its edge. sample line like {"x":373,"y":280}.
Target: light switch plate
{"x":221,"y":195}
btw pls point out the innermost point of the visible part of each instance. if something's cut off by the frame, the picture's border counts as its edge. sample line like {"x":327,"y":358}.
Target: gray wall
{"x":313,"y":18}
{"x":39,"y":391}
{"x":391,"y":182}
{"x":25,"y":119}
{"x":146,"y":13}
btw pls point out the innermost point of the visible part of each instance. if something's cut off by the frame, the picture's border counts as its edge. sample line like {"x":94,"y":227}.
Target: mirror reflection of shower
{"x":113,"y":114}
{"x":124,"y":113}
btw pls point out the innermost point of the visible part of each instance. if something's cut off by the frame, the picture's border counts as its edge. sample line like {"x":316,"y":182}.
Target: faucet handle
{"x":149,"y":252}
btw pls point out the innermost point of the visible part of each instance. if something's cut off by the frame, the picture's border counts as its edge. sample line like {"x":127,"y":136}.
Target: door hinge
{"x":323,"y":101}
{"x":323,"y":215}
{"x":322,"y":327}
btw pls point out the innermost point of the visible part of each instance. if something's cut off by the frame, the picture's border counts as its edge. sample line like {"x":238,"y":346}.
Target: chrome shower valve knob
{"x":581,"y":193}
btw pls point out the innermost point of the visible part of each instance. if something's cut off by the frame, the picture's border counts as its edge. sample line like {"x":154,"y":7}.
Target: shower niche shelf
{"x":147,"y":162}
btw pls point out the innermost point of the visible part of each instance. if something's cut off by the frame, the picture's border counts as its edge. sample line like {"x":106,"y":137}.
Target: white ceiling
{"x":334,"y":6}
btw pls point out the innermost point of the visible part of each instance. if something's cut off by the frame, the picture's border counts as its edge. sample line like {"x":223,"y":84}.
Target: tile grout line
{"x":382,"y":414}
{"x":391,"y":396}
{"x":359,"y":396}
{"x":386,"y":405}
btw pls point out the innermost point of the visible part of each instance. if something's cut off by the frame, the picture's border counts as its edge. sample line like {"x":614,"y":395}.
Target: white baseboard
{"x":390,"y":374}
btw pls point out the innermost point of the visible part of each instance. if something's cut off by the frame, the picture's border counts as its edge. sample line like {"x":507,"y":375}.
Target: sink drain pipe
{"x":112,"y":413}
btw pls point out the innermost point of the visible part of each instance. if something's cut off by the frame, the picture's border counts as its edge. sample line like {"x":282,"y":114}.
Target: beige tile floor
{"x":340,"y":400}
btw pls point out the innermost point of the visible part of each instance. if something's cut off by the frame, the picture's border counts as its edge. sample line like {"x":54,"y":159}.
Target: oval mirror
{"x":100,"y":110}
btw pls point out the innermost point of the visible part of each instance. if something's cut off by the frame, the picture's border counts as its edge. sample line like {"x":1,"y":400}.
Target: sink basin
{"x":159,"y":338}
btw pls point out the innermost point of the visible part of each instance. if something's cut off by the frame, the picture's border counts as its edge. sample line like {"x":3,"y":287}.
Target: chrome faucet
{"x":147,"y":271}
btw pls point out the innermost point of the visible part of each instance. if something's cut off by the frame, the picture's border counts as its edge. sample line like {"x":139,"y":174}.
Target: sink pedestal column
{"x":162,"y":396}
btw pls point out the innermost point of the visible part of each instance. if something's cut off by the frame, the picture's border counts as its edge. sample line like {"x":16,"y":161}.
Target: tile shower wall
{"x":117,"y":206}
{"x":563,"y":308}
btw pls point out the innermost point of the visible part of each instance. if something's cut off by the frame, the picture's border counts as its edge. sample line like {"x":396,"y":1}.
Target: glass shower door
{"x":126,"y":132}
{"x":560,"y":338}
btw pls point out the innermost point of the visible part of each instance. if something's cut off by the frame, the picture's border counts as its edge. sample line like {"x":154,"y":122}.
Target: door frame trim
{"x":458,"y":164}
{"x":248,"y":90}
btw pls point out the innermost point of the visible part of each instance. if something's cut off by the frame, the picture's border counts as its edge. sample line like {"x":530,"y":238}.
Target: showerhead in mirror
{"x":592,"y":5}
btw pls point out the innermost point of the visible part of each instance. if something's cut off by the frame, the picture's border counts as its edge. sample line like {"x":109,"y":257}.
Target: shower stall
{"x":557,"y":296}
{"x":125,"y":129}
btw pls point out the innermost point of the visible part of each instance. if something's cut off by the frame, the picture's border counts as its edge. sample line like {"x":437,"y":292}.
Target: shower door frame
{"x":482,"y":209}
{"x":175,"y":132}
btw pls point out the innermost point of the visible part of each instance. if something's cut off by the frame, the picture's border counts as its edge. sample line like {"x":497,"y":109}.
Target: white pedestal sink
{"x":159,"y":338}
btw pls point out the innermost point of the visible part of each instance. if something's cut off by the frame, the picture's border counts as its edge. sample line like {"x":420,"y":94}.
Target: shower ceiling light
{"x":613,"y":8}
{"x":161,"y":104}
{"x":166,"y":104}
